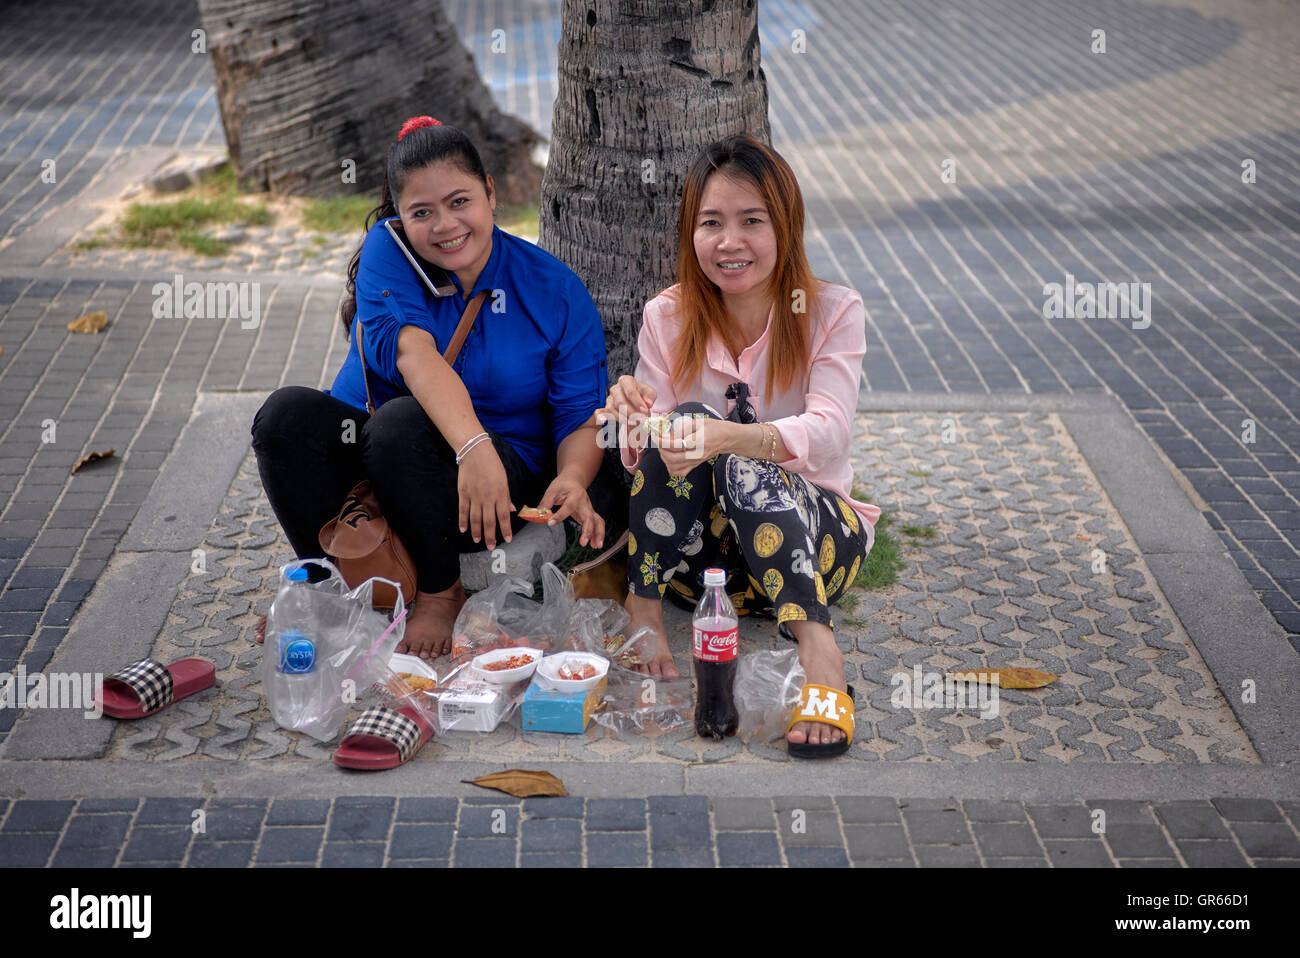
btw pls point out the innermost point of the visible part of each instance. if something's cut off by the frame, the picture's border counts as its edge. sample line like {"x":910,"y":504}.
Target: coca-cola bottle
{"x":716,"y":647}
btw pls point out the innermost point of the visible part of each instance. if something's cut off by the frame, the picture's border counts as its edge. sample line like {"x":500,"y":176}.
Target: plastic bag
{"x":504,"y":614}
{"x":465,"y":701}
{"x":319,"y":637}
{"x":637,"y":703}
{"x":767,"y":690}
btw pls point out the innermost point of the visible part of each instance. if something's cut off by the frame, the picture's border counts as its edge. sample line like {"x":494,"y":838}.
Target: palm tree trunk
{"x":644,"y":86}
{"x":306,"y":85}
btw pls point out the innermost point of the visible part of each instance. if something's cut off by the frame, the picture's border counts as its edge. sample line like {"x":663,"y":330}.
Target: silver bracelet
{"x":470,"y":443}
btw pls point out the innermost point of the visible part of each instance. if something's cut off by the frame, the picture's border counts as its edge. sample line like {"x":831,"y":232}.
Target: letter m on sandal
{"x":825,"y":707}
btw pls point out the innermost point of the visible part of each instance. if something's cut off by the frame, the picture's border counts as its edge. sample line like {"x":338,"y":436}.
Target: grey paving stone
{"x":426,"y":810}
{"x":616,"y":849}
{"x":816,"y":857}
{"x":421,"y":863}
{"x":290,"y":845}
{"x":1148,"y":863}
{"x":982,"y":810}
{"x":559,"y":835}
{"x":863,"y":810}
{"x":96,"y":831}
{"x":1077,"y":853}
{"x":867,"y":843}
{"x":748,"y":849}
{"x":221,"y":855}
{"x":299,"y":811}
{"x":349,"y":854}
{"x":421,"y":841}
{"x":550,"y":860}
{"x":1137,"y":841}
{"x":484,"y":852}
{"x":695,"y":857}
{"x":1015,"y":863}
{"x":936,"y":827}
{"x":157,"y":843}
{"x":692,"y":805}
{"x":83,"y":857}
{"x":168,"y":811}
{"x":1248,"y":810}
{"x":1010,"y":840}
{"x":820,"y":803}
{"x":26,"y":849}
{"x":483,"y":821}
{"x":352,"y":820}
{"x":616,"y":814}
{"x":742,"y":814}
{"x":1061,"y":821}
{"x":553,"y":807}
{"x":679,"y":831}
{"x":233,"y":823}
{"x":947,"y":856}
{"x":810,"y":828}
{"x":1191,"y":820}
{"x":1124,"y":812}
{"x":28,"y":815}
{"x":1267,"y":840}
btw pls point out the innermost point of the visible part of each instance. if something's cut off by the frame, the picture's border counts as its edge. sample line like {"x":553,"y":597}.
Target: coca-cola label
{"x":713,"y":646}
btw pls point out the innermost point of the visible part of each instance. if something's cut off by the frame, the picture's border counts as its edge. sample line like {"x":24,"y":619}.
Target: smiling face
{"x":447,"y":215}
{"x":734,"y":239}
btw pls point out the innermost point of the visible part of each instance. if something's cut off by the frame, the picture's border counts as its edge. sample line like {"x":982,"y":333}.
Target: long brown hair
{"x":791,"y":285}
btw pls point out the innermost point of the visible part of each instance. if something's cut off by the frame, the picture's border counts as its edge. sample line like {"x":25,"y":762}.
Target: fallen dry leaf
{"x":90,"y":323}
{"x":91,"y":457}
{"x":521,"y":783}
{"x":1008,"y":678}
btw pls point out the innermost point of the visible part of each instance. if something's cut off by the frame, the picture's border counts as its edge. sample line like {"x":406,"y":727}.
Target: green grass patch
{"x":920,"y":532}
{"x":518,"y":219}
{"x":338,"y":214}
{"x":918,"y":472}
{"x":883,"y":561}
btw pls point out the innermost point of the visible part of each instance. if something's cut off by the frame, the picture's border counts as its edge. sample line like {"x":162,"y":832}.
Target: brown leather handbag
{"x":359,"y":538}
{"x":604,"y":577}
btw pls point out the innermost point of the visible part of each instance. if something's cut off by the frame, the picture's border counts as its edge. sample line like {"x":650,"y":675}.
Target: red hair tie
{"x":417,"y":123}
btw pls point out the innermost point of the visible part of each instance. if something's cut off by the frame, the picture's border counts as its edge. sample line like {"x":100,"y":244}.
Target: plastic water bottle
{"x":716,"y":648}
{"x":296,"y":671}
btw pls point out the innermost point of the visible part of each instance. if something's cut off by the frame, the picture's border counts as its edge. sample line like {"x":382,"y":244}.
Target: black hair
{"x":419,"y":148}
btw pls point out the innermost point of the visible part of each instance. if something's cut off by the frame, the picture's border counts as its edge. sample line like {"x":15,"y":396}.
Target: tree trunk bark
{"x":305,"y":86}
{"x":644,"y":86}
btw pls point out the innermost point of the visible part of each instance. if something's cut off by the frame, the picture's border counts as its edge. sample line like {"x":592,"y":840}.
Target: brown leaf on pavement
{"x":91,"y":457}
{"x":90,"y":323}
{"x":521,"y":783}
{"x":1008,"y":678}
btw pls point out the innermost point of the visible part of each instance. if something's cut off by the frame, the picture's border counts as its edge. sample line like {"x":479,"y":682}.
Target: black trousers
{"x":312,"y":449}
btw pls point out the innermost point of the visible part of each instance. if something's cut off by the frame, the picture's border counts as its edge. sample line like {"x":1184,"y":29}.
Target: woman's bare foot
{"x":428,"y":625}
{"x":259,"y":630}
{"x":650,"y":612}
{"x":823,"y":663}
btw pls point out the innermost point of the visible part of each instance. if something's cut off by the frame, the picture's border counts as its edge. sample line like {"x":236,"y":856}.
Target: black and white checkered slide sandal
{"x":149,"y":686}
{"x":383,"y":738}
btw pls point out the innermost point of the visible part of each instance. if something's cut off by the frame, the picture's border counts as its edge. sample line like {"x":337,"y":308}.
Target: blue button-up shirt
{"x":534,"y":363}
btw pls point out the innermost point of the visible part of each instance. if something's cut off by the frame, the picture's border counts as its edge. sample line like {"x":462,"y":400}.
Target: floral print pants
{"x":785,"y":543}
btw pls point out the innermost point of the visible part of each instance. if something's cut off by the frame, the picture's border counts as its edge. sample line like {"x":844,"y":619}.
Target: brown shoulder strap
{"x":453,"y":349}
{"x":462,"y":330}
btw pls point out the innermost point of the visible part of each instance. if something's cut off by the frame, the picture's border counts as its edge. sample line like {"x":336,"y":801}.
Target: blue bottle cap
{"x":297,"y":575}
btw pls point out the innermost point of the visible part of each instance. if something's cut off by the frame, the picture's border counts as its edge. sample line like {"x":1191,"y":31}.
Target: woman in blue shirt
{"x":451,"y":450}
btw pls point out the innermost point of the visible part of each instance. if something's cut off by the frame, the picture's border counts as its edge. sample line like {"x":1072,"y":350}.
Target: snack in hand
{"x":535,"y":515}
{"x":658,"y":425}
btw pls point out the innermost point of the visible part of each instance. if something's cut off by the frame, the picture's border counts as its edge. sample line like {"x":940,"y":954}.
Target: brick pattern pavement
{"x":1012,"y":578}
{"x":661,"y":831}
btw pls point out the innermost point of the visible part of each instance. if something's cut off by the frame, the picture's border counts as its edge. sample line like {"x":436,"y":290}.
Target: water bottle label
{"x":713,"y":646}
{"x":298,"y":657}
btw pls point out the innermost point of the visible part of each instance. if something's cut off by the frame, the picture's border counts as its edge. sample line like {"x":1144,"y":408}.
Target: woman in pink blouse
{"x":765,"y":492}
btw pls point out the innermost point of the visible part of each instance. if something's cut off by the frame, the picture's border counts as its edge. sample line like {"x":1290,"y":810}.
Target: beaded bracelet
{"x":770,"y":432}
{"x":470,"y":443}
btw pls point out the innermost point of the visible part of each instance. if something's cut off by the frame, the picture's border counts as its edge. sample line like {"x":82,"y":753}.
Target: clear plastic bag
{"x":638,"y":704}
{"x":465,"y":701}
{"x":766,"y":691}
{"x":324,"y":645}
{"x":504,"y":614}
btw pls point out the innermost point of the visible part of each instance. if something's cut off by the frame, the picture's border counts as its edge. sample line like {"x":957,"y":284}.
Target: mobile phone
{"x":435,"y":279}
